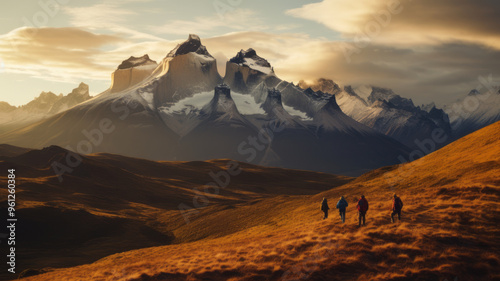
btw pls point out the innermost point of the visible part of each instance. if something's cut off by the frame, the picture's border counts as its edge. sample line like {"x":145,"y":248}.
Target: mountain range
{"x":45,"y":105}
{"x":473,"y":111}
{"x":182,"y":109}
{"x":387,"y":112}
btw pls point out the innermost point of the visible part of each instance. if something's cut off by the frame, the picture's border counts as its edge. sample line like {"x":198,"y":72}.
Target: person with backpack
{"x":325,"y":208}
{"x":362,"y":209}
{"x":342,"y":205}
{"x":397,"y":206}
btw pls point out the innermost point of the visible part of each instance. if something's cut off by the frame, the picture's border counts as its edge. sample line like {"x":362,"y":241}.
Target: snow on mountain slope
{"x":387,"y":112}
{"x":222,"y":107}
{"x":181,"y":111}
{"x":247,"y":70}
{"x":331,"y":118}
{"x":245,"y":104}
{"x":275,"y":111}
{"x":220,"y":129}
{"x":186,"y":70}
{"x":340,"y":143}
{"x":473,"y":112}
{"x":292,"y":142}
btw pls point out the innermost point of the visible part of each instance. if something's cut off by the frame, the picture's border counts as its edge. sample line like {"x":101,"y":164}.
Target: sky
{"x":427,"y":50}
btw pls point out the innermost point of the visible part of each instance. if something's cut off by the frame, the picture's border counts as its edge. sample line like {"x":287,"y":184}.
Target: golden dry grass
{"x":449,"y":230}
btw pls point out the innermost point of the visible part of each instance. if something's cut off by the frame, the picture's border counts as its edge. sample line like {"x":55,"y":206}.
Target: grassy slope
{"x":450,"y":229}
{"x":112,"y":204}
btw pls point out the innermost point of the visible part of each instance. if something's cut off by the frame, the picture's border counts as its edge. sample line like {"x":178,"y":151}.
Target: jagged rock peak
{"x":250,"y":59}
{"x":332,"y":103}
{"x":82,"y":89}
{"x":242,"y":56}
{"x":191,"y":45}
{"x":221,"y":104}
{"x":274,"y":96}
{"x":317,"y":95}
{"x":46,"y":95}
{"x":136,"y":61}
{"x":273,"y":102}
{"x":222,"y":90}
{"x":389,"y":96}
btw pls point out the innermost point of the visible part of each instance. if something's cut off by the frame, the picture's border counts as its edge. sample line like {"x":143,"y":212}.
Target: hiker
{"x":362,"y":209}
{"x":397,"y":205}
{"x":325,"y":208}
{"x":342,"y":205}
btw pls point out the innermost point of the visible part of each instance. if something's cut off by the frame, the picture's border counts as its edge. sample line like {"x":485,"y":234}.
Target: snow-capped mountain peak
{"x":181,"y":111}
{"x":250,"y":59}
{"x":187,"y":70}
{"x":388,"y":95}
{"x":480,"y":109}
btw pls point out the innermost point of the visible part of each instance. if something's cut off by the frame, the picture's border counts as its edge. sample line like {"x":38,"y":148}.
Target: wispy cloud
{"x":109,"y":16}
{"x":237,"y":20}
{"x":432,"y":60}
{"x":69,"y":54}
{"x":413,"y":22}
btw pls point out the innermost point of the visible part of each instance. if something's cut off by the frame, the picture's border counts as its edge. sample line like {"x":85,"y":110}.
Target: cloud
{"x":425,"y":73}
{"x":439,"y":73}
{"x":67,"y":54}
{"x":67,"y":37}
{"x":237,"y":20}
{"x":110,"y":16}
{"x":405,"y":22}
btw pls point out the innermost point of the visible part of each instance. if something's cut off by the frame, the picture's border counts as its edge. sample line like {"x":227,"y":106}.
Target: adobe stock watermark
{"x":222,"y":179}
{"x":222,"y":7}
{"x":371,"y":29}
{"x":93,"y":138}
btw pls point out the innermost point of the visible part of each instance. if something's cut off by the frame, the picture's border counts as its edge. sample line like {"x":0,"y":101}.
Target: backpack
{"x":362,"y":205}
{"x":398,"y":204}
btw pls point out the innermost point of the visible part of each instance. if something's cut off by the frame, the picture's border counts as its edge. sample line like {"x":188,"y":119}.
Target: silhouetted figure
{"x":325,"y":208}
{"x":397,"y":206}
{"x":342,"y":205}
{"x":362,"y":209}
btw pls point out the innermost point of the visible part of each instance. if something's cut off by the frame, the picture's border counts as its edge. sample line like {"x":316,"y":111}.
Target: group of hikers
{"x":362,"y":207}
